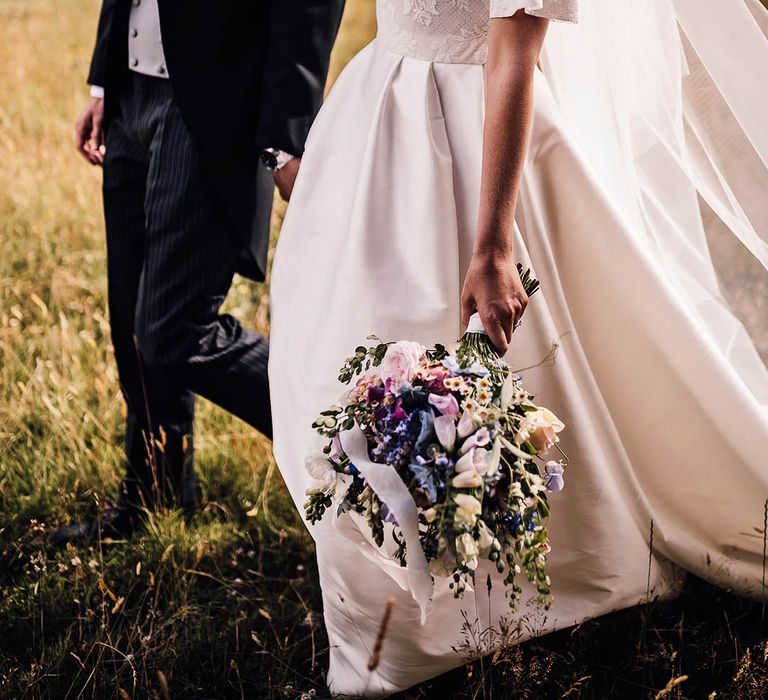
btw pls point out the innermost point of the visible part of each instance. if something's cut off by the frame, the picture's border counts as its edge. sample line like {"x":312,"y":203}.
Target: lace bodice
{"x":454,"y":31}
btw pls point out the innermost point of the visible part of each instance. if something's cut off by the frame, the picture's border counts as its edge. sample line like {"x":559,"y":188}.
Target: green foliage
{"x":229,"y":606}
{"x":363,"y":359}
{"x":316,"y":505}
{"x":530,"y":283}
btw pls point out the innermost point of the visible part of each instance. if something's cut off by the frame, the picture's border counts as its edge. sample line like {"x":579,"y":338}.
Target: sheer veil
{"x":666,"y":101}
{"x":673,"y":75}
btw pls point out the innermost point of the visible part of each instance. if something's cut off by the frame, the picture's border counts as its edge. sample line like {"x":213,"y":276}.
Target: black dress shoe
{"x":120,"y":521}
{"x":171,"y":484}
{"x":115,"y":523}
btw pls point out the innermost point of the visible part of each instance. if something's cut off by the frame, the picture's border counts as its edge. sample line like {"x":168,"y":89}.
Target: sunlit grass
{"x":228,"y":606}
{"x":204,"y":604}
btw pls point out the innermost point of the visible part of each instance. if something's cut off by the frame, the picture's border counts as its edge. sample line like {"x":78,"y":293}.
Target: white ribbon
{"x":390,"y":489}
{"x":475,"y":325}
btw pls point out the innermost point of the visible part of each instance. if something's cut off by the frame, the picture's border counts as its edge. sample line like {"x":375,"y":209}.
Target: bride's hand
{"x":285,"y":178}
{"x":493,"y":288}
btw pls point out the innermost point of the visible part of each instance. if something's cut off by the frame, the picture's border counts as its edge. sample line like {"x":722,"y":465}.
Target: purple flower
{"x":480,"y":439}
{"x":387,"y":515}
{"x":447,"y":405}
{"x":337,"y":451}
{"x":399,"y":413}
{"x":553,"y":476}
{"x":445,"y":428}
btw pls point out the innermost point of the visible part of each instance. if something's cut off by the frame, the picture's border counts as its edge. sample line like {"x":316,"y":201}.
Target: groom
{"x":198,"y":109}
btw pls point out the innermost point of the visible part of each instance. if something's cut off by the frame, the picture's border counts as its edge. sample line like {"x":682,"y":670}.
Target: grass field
{"x":229,"y":606}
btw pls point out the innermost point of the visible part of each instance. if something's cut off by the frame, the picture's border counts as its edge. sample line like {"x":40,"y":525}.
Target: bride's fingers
{"x":497,"y":333}
{"x":468,"y":307}
{"x":498,"y":337}
{"x":509,"y":329}
{"x":518,"y":319}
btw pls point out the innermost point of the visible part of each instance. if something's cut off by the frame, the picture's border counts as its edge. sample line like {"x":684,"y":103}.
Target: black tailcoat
{"x":247,"y":75}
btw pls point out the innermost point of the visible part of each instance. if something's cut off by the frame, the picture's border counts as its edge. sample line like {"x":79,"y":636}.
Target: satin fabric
{"x":660,"y":423}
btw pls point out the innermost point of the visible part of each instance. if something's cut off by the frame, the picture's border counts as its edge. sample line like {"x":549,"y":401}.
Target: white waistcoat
{"x":145,"y":45}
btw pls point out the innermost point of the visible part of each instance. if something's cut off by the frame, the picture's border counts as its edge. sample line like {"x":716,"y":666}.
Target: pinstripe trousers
{"x":171,"y":257}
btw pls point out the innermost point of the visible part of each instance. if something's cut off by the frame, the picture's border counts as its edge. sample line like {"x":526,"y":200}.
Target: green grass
{"x":229,"y":606}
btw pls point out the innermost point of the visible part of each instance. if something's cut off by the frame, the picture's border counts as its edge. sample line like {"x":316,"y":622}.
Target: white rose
{"x":540,"y":428}
{"x":321,"y":470}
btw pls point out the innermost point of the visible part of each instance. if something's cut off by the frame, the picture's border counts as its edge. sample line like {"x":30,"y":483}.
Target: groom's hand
{"x":285,"y":178}
{"x":89,"y":136}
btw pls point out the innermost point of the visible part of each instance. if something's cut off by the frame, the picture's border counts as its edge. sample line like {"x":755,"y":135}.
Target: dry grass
{"x":218,"y":606}
{"x":229,"y":606}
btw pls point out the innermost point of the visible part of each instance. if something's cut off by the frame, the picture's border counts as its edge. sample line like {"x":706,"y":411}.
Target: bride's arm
{"x":492,"y":285}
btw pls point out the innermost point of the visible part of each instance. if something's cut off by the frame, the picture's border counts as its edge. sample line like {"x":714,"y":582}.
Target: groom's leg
{"x":157,"y":405}
{"x":189,"y":261}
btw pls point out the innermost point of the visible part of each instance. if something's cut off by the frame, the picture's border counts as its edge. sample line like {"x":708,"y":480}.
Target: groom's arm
{"x":97,"y":74}
{"x":89,"y":135}
{"x":301,"y":35}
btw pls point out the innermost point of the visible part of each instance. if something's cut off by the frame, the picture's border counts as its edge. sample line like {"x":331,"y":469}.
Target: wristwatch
{"x":274,"y":159}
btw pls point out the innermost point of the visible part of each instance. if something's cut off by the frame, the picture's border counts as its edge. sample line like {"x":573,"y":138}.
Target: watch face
{"x":269,"y":159}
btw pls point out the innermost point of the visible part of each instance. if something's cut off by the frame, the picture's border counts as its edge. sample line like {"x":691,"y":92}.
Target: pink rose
{"x":432,"y":379}
{"x":363,"y":384}
{"x":401,"y":361}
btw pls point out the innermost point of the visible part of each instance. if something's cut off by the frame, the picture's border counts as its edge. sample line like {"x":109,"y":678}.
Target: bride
{"x":454,"y":146}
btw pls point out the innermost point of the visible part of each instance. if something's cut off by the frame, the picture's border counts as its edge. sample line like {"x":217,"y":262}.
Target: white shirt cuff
{"x":97,"y":91}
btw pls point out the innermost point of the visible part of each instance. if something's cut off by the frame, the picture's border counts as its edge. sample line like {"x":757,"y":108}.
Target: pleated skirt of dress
{"x":659,"y":422}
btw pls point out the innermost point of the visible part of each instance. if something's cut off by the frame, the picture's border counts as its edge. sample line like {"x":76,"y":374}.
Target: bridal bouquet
{"x":458,"y":430}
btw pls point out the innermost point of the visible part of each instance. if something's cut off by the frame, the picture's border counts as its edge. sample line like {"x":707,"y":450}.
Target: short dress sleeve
{"x":558,"y":10}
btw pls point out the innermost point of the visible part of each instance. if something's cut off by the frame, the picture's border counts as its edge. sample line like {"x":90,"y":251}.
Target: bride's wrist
{"x":494,"y":253}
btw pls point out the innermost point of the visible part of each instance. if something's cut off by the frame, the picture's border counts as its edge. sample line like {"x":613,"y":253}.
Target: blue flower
{"x":513,"y":523}
{"x":450,"y":363}
{"x":476,"y":369}
{"x":426,"y":432}
{"x":427,"y":476}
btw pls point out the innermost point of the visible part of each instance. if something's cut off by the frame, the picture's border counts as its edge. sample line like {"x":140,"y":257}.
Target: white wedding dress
{"x":662,"y":391}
